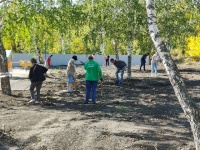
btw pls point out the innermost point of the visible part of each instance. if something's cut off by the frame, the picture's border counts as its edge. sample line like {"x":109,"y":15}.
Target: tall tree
{"x":172,"y":71}
{"x":175,"y":18}
{"x":5,"y":82}
{"x":133,"y":14}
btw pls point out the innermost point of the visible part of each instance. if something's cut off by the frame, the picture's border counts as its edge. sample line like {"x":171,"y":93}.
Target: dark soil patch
{"x":147,"y":102}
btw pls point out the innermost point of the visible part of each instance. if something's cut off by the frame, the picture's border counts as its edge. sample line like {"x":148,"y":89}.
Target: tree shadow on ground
{"x":19,"y":78}
{"x":146,"y":102}
{"x":143,"y":101}
{"x":189,"y":71}
{"x":156,"y":136}
{"x":7,"y":142}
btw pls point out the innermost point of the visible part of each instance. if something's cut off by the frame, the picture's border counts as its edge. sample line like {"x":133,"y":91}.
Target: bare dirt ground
{"x":141,"y":114}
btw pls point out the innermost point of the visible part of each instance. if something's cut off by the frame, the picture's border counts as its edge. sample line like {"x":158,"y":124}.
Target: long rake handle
{"x":75,"y":84}
{"x":101,"y":88}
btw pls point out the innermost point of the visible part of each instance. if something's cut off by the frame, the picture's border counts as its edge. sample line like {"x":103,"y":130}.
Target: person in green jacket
{"x":93,"y":74}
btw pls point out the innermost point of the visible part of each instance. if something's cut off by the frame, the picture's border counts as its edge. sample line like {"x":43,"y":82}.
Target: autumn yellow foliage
{"x":78,"y":46}
{"x":193,"y":46}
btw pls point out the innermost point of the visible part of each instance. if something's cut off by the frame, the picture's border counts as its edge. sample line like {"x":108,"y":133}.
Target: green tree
{"x":173,"y":73}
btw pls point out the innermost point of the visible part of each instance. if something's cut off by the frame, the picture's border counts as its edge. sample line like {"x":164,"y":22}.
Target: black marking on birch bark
{"x":178,"y":80}
{"x":150,"y":6}
{"x":163,"y":47}
{"x":157,"y":35}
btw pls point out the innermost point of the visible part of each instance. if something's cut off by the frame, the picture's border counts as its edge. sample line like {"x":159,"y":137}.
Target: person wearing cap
{"x":71,"y":73}
{"x":120,"y":65}
{"x":93,"y":74}
{"x":36,"y":76}
{"x":74,"y":57}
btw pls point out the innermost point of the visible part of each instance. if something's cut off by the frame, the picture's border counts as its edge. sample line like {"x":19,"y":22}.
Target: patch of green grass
{"x":57,"y":71}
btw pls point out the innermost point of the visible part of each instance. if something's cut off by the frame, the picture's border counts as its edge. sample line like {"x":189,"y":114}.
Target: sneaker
{"x":37,"y":102}
{"x":69,"y":91}
{"x":32,"y":101}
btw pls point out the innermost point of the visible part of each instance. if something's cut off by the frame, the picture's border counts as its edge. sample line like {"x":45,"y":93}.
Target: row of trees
{"x":92,"y":26}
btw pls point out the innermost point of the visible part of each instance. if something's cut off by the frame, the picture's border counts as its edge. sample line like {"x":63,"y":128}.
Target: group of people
{"x":154,"y":63}
{"x":92,"y":76}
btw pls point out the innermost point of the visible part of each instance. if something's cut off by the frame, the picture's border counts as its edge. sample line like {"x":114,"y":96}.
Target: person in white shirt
{"x":154,"y":64}
{"x":70,"y":73}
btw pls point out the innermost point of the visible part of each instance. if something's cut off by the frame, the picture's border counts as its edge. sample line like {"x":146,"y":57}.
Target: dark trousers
{"x":38,"y":86}
{"x":91,"y":86}
{"x":107,"y":62}
{"x":142,"y":64}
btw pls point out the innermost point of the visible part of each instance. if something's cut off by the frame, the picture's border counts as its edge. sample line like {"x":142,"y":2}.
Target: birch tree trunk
{"x":37,"y":50}
{"x":130,"y":58}
{"x":115,"y":49}
{"x":5,"y":82}
{"x":173,"y":73}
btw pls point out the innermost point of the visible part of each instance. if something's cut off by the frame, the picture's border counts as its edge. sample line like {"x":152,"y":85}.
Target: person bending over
{"x":120,"y":65}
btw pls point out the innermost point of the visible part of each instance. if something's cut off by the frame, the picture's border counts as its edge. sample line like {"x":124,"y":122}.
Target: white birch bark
{"x":130,"y":58}
{"x":37,"y":50}
{"x":173,"y":73}
{"x":115,"y":49}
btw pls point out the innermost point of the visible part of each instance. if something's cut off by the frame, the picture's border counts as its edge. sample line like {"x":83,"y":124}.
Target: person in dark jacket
{"x":36,"y":76}
{"x":120,"y":65}
{"x":143,"y":61}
